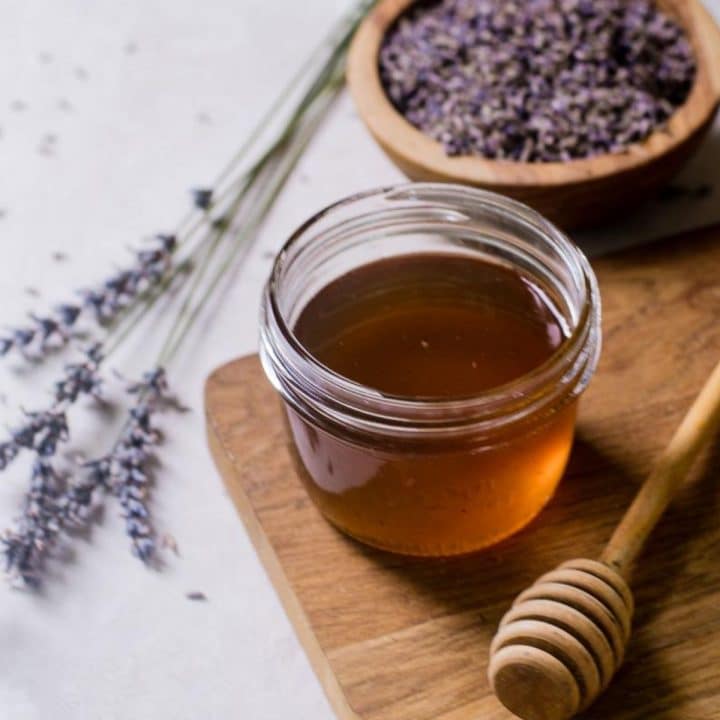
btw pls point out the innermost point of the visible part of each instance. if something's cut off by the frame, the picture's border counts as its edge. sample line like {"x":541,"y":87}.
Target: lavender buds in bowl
{"x":576,"y":108}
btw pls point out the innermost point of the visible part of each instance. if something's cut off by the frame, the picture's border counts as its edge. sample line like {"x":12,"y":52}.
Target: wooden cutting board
{"x":399,"y":639}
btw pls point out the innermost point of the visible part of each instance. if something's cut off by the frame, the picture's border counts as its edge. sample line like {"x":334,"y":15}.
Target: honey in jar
{"x":431,"y":393}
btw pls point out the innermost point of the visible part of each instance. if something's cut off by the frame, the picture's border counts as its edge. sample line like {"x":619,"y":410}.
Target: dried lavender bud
{"x":8,"y":452}
{"x":6,"y":345}
{"x":68,"y":314}
{"x":153,"y":382}
{"x":100,"y":471}
{"x":202,"y":198}
{"x":43,"y":432}
{"x":49,"y":329}
{"x":539,"y":80}
{"x":77,"y":501}
{"x":168,"y":242}
{"x":24,"y":437}
{"x":81,"y":378}
{"x":23,"y":337}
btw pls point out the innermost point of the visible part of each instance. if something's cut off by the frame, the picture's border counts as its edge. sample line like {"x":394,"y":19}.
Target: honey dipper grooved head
{"x":562,"y":641}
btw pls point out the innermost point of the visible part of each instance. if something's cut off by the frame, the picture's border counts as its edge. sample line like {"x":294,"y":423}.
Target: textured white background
{"x":109,"y":111}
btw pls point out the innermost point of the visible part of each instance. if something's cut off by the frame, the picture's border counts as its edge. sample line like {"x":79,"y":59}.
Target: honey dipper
{"x":559,"y":645}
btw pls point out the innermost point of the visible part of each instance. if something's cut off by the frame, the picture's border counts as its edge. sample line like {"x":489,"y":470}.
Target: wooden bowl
{"x":575,"y":193}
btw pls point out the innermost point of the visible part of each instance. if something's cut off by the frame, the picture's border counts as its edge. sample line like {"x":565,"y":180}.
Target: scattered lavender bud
{"x":6,"y":344}
{"x":202,"y":198}
{"x":196,"y":596}
{"x":59,"y":256}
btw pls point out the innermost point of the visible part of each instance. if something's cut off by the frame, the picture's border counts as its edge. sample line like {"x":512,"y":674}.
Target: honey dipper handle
{"x":697,"y":426}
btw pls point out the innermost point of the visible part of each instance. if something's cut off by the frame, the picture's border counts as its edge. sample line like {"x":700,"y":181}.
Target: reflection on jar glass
{"x":430,"y":343}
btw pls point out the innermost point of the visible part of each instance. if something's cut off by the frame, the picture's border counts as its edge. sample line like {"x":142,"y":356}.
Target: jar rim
{"x":327,"y":385}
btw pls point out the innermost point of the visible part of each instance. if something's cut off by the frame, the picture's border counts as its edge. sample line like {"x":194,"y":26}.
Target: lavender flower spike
{"x":51,"y":507}
{"x":125,"y":469}
{"x":26,"y":547}
{"x":103,"y":302}
{"x":43,"y":431}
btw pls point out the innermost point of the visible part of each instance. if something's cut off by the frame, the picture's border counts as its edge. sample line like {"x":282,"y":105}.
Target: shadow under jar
{"x":430,"y":343}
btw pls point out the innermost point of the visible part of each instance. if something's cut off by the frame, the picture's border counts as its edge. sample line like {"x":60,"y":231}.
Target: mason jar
{"x":416,"y":475}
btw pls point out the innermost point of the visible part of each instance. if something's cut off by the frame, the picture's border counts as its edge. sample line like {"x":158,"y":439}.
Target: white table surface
{"x":109,"y":111}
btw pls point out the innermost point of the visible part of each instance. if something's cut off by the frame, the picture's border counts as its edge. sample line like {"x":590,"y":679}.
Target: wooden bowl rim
{"x":415,"y":149}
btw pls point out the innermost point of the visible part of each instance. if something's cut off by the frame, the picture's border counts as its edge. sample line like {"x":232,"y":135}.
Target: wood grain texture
{"x":572,"y":194}
{"x":398,"y":639}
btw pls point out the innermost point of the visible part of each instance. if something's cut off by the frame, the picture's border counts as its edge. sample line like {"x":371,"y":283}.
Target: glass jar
{"x":433,"y":477}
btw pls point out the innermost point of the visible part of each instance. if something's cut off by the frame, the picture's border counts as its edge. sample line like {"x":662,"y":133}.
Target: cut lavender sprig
{"x":56,"y":504}
{"x":103,"y":303}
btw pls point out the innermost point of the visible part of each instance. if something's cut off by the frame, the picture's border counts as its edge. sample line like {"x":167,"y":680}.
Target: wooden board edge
{"x":270,"y":561}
